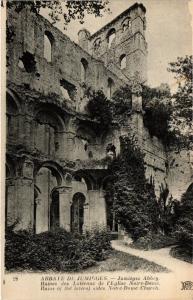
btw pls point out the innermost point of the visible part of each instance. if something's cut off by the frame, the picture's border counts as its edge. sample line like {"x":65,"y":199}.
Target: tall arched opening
{"x":77,"y":213}
{"x":46,"y":198}
{"x":48,"y":130}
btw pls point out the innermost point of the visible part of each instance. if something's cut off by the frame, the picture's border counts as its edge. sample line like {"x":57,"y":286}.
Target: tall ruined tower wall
{"x":121,"y":43}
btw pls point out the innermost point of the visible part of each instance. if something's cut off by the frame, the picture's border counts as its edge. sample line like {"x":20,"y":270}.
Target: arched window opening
{"x":123,"y":62}
{"x":97,"y":44}
{"x":77,"y":213}
{"x":84,"y":68}
{"x":48,"y":43}
{"x":110,"y":88}
{"x":48,"y":126}
{"x":111,"y":36}
{"x":46,"y":198}
{"x":126,"y":24}
{"x":11,"y":116}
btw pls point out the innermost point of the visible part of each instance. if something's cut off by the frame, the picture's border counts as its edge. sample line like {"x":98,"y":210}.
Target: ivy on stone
{"x":134,"y":200}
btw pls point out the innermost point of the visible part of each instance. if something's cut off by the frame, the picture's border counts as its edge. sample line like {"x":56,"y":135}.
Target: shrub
{"x":154,"y":241}
{"x":184,"y":226}
{"x":121,"y":104}
{"x":56,"y":251}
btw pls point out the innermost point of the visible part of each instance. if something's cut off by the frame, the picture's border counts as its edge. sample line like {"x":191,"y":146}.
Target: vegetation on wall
{"x":156,"y":105}
{"x":134,"y":199}
{"x":182,"y":109}
{"x":184,"y":227}
{"x":158,"y":108}
{"x":121,"y":104}
{"x":99,"y":108}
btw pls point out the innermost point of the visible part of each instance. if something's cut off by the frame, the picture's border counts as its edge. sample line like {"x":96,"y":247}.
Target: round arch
{"x":12,"y":99}
{"x":46,"y":116}
{"x":105,"y":181}
{"x":55,"y":168}
{"x":89,"y":180}
{"x":111,"y":36}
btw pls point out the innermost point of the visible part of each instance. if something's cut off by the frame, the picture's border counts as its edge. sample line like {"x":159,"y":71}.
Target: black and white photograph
{"x":97,"y":188}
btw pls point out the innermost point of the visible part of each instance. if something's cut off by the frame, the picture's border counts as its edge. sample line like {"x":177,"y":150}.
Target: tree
{"x":181,"y":119}
{"x":134,"y":200}
{"x":67,"y":9}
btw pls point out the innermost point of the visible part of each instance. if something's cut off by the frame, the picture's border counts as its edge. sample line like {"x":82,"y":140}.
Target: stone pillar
{"x":86,"y":225}
{"x":28,"y":132}
{"x":23,"y":199}
{"x":24,"y":203}
{"x":65,"y":201}
{"x":69,"y":145}
{"x":97,"y":209}
{"x":102,"y":208}
{"x":11,"y":201}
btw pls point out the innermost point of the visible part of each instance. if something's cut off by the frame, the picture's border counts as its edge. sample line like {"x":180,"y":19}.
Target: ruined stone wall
{"x":129,"y":40}
{"x":49,"y":137}
{"x":180,"y":172}
{"x":65,"y":65}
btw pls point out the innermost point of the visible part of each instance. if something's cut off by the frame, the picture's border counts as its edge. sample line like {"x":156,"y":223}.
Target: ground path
{"x":160,"y":257}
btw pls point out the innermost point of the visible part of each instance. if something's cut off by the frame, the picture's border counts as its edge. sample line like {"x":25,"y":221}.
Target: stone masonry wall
{"x":29,"y":30}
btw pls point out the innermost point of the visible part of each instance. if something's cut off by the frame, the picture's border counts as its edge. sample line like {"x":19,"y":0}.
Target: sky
{"x":168,"y":33}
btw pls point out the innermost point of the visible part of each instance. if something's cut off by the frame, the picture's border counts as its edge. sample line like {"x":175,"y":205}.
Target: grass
{"x":120,"y":261}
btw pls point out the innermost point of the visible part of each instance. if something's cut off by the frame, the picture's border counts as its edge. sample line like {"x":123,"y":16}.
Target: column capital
{"x":64,"y":189}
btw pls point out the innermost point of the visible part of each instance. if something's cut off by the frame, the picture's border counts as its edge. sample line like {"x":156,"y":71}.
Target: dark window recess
{"x":68,"y":88}
{"x":111,"y":148}
{"x":90,"y":155}
{"x":28,"y":61}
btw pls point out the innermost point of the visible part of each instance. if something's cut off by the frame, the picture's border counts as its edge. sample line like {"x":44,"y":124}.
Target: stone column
{"x":86,"y":225}
{"x":11,"y":201}
{"x":24,"y":203}
{"x":28,"y":132}
{"x":65,"y":201}
{"x":97,"y":209}
{"x":24,"y":196}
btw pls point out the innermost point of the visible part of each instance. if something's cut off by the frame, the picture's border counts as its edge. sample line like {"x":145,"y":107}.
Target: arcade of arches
{"x":56,"y":170}
{"x":41,"y":193}
{"x":52,"y":180}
